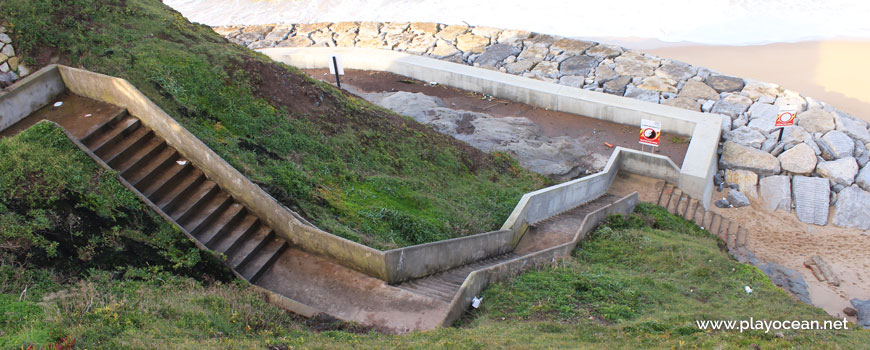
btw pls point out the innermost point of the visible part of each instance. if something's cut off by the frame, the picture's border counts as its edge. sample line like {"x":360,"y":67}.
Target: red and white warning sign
{"x":650,"y":131}
{"x":786,"y":116}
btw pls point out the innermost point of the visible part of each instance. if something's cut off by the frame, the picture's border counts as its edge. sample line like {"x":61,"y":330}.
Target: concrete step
{"x":90,"y":139}
{"x":233,"y":235}
{"x":254,"y":266}
{"x":108,"y":140}
{"x":221,"y":224}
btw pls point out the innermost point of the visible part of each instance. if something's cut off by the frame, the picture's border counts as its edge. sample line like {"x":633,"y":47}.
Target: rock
{"x":863,"y":312}
{"x":452,"y":32}
{"x":660,"y":84}
{"x":578,"y":65}
{"x":676,"y":71}
{"x":687,"y":103}
{"x":7,"y":79}
{"x":641,"y":94}
{"x":838,"y":143}
{"x":601,"y":51}
{"x":856,"y":129}
{"x":724,"y":83}
{"x":732,"y":105}
{"x":534,"y":53}
{"x":697,"y":90}
{"x":787,"y":279}
{"x":547,"y":69}
{"x":495,"y":54}
{"x":791,"y":98}
{"x":345,"y":39}
{"x":570,"y":46}
{"x":816,"y":120}
{"x":793,"y":135}
{"x":863,"y":159}
{"x":756,"y":89}
{"x":324,"y":39}
{"x":840,"y":171}
{"x":572,"y":80}
{"x":863,"y":178}
{"x":346,"y":27}
{"x":395,"y":27}
{"x":488,"y":32}
{"x":800,"y":159}
{"x":306,"y":28}
{"x":707,"y":106}
{"x":420,"y":44}
{"x":604,"y":74}
{"x":726,"y":123}
{"x":4,"y":38}
{"x":745,"y":180}
{"x":369,"y":29}
{"x":737,"y":199}
{"x":763,"y":111}
{"x":511,"y":36}
{"x":443,"y":49}
{"x":367,"y":42}
{"x":519,"y":66}
{"x":722,"y":203}
{"x":4,"y":67}
{"x":635,"y":65}
{"x":853,"y":208}
{"x":617,"y":86}
{"x":776,"y":192}
{"x":280,"y":32}
{"x":812,"y":197}
{"x":735,"y":156}
{"x":745,"y":136}
{"x":848,"y":311}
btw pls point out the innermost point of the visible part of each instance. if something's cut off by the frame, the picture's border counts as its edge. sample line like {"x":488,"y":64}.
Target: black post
{"x":335,"y":65}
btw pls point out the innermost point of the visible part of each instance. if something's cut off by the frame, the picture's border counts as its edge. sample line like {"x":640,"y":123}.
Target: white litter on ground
{"x":88,"y":115}
{"x":475,"y":303}
{"x":747,"y":289}
{"x":58,"y":104}
{"x":181,"y":162}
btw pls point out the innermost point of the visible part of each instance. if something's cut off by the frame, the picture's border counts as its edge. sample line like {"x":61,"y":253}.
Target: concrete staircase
{"x":184,"y":194}
{"x":680,"y":204}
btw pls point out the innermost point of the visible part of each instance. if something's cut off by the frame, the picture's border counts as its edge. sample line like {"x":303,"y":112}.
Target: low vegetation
{"x":349,"y":167}
{"x":639,"y":281}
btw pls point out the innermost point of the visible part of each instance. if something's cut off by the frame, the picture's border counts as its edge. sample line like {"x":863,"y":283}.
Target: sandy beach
{"x":834,"y":72}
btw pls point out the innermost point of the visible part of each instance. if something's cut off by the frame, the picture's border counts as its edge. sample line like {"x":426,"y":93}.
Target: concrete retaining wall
{"x":698,"y":166}
{"x":121,"y":93}
{"x":479,"y":279}
{"x":29,"y":95}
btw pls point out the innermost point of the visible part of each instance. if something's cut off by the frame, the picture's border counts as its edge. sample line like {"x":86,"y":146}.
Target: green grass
{"x":638,"y":281}
{"x":351,"y":168}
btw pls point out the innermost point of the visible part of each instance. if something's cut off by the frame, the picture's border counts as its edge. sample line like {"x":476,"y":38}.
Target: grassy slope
{"x":351,"y":168}
{"x":637,"y":282}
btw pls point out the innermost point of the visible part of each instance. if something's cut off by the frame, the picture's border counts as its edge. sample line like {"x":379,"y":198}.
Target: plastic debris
{"x":181,"y":162}
{"x":88,"y":115}
{"x":608,"y":144}
{"x":58,"y":104}
{"x":475,"y":303}
{"x":747,"y":289}
{"x":433,"y":83}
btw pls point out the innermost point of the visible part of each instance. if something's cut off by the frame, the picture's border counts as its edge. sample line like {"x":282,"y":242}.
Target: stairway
{"x":680,"y":204}
{"x":183,"y":193}
{"x":444,"y":285}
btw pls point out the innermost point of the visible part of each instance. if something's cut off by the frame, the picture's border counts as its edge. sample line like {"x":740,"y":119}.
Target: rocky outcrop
{"x":840,"y":171}
{"x":799,"y":159}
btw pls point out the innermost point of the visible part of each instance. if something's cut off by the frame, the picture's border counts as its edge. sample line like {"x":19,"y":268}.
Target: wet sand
{"x":553,"y":124}
{"x":831,"y":71}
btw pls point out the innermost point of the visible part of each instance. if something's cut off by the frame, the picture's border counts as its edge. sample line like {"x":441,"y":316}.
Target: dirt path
{"x":553,"y":124}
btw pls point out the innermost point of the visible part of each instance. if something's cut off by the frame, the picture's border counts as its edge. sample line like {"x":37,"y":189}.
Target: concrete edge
{"x":29,"y":95}
{"x":704,"y":128}
{"x":478,"y":280}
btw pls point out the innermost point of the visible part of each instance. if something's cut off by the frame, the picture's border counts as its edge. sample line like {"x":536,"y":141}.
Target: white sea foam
{"x":723,"y":22}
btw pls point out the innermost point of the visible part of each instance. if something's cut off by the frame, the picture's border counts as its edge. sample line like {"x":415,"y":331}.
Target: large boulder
{"x":838,"y":143}
{"x":793,"y":135}
{"x":745,"y":136}
{"x":776,"y":192}
{"x":853,"y":208}
{"x":578,"y":65}
{"x":816,"y":120}
{"x":863,"y":179}
{"x":604,"y":51}
{"x":863,"y":307}
{"x":698,"y":90}
{"x":677,"y":71}
{"x":570,"y":46}
{"x":735,"y":156}
{"x":812,"y":196}
{"x":787,"y":279}
{"x":732,"y":105}
{"x":737,"y":199}
{"x":496,"y":54}
{"x":724,"y":83}
{"x":763,"y":111}
{"x":744,"y":179}
{"x":840,"y":171}
{"x":471,"y":43}
{"x":856,"y":129}
{"x":799,"y":159}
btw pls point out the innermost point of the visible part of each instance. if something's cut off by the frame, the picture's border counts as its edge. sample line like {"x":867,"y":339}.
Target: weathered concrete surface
{"x":29,"y":95}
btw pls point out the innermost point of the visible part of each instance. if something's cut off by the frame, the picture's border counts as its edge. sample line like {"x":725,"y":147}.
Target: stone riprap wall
{"x":11,"y":66}
{"x":818,"y":163}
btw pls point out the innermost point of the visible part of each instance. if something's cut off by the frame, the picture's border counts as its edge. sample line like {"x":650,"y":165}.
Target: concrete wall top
{"x":29,"y":95}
